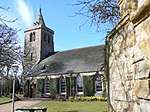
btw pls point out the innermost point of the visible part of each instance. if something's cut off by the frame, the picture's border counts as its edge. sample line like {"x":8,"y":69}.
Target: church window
{"x":30,"y":37}
{"x":31,"y":56}
{"x":33,"y":36}
{"x":44,"y":37}
{"x":47,"y":86}
{"x":48,"y":39}
{"x":62,"y":85}
{"x":98,"y":84}
{"x":79,"y":84}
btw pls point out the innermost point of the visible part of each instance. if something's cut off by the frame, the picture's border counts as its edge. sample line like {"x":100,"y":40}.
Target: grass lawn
{"x":67,"y":106}
{"x":4,"y":100}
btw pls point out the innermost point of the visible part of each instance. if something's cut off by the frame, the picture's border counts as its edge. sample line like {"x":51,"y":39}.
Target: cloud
{"x":26,"y":12}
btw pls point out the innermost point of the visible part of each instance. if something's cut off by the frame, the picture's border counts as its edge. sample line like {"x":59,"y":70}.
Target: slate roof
{"x":82,"y":60}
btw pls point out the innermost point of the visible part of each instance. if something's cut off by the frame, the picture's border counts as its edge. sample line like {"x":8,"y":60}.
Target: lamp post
{"x":15,"y":69}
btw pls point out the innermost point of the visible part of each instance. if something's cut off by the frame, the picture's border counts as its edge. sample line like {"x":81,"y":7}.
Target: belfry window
{"x":62,"y":85}
{"x":30,"y":37}
{"x":48,"y":39}
{"x":47,"y":86}
{"x":33,"y":37}
{"x":79,"y":84}
{"x":31,"y":58}
{"x":98,"y":84}
{"x":44,"y":37}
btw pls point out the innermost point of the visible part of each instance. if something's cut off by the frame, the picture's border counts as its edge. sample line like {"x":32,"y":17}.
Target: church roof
{"x":40,"y":20}
{"x":82,"y":60}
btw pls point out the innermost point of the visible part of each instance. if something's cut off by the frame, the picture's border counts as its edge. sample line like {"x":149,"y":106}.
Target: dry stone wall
{"x":129,"y":62}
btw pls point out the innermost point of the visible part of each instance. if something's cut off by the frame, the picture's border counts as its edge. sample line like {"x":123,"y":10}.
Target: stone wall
{"x":32,"y":47}
{"x":129,"y":62}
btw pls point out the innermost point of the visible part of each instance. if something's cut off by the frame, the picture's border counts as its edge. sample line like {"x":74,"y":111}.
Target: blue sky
{"x":57,"y":15}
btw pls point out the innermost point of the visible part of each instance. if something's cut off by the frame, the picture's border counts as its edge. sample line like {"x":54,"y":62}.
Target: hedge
{"x":54,"y":87}
{"x":73,"y":86}
{"x":40,"y":87}
{"x":88,"y":85}
{"x":26,"y":88}
{"x":68,"y":86}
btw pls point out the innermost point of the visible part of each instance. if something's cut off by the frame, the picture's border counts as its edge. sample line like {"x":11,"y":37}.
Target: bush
{"x":40,"y":87}
{"x":88,"y":83}
{"x":88,"y":98}
{"x":54,"y":87}
{"x":26,"y":88}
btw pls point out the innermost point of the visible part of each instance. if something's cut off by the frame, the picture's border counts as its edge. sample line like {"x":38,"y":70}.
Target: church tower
{"x":38,"y":43}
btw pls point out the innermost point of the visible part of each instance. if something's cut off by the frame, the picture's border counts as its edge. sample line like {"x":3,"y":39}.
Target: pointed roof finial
{"x":40,"y":20}
{"x":40,"y":12}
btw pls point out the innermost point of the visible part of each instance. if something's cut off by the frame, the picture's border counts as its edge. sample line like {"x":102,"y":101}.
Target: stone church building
{"x":128,"y":58}
{"x":75,"y":72}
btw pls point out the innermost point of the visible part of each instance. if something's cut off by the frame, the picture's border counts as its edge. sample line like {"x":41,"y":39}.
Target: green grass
{"x":67,"y":106}
{"x":4,"y":100}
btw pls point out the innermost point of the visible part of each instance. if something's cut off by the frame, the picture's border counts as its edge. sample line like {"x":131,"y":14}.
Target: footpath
{"x":24,"y":102}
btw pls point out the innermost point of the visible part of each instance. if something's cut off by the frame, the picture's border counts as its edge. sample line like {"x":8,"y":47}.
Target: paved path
{"x":7,"y":107}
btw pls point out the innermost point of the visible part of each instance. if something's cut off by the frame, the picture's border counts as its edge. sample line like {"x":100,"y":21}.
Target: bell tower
{"x":39,"y":43}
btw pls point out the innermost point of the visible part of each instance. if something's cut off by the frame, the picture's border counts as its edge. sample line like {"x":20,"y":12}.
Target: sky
{"x":58,"y":16}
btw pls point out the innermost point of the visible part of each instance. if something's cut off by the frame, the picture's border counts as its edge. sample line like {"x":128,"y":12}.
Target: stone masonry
{"x":128,"y":58}
{"x":38,"y":43}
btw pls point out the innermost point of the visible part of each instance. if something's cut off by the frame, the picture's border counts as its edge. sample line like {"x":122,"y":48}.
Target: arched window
{"x":98,"y":84}
{"x":47,"y":86}
{"x":31,"y":37}
{"x":44,"y":37}
{"x":79,"y":84}
{"x":48,"y":39}
{"x":31,"y":58}
{"x":62,"y":85}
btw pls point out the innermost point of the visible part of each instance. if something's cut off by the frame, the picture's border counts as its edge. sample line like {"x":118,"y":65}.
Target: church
{"x":74,"y":72}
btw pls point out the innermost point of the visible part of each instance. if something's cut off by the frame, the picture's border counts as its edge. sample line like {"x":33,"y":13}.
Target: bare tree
{"x":99,"y":11}
{"x":8,"y":42}
{"x":9,"y":48}
{"x":3,"y":20}
{"x":8,"y":45}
